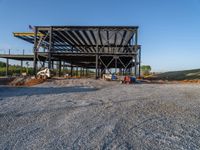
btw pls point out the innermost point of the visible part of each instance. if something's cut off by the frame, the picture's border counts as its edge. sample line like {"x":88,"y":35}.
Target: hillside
{"x":180,"y":75}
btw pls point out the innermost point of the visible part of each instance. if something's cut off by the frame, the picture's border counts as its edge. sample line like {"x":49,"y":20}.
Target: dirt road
{"x":89,"y":114}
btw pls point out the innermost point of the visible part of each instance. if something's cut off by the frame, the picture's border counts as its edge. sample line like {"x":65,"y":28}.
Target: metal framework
{"x":102,"y":48}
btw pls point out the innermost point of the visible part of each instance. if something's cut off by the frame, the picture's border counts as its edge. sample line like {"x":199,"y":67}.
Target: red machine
{"x":129,"y":80}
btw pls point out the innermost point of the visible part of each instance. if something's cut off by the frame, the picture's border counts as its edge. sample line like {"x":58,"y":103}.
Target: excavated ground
{"x":90,"y":114}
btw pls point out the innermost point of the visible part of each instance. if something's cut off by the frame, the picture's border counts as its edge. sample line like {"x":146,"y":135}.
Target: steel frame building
{"x":103,"y":48}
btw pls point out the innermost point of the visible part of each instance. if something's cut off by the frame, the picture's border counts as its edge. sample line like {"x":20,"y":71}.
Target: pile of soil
{"x":26,"y":81}
{"x":32,"y":82}
{"x":190,"y":81}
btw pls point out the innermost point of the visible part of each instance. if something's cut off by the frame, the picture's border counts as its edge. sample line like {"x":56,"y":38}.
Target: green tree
{"x":146,"y":69}
{"x":2,"y":64}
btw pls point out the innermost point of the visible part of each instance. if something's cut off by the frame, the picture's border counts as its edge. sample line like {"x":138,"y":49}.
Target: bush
{"x":13,"y":70}
{"x":2,"y":64}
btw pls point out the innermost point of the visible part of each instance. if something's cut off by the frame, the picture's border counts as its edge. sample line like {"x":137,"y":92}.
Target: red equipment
{"x":128,"y":79}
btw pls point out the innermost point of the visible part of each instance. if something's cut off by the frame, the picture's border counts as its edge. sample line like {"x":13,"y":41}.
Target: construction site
{"x":87,"y":92}
{"x":102,"y":49}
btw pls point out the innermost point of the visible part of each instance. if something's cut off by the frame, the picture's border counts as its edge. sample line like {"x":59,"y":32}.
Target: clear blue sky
{"x":169,"y":29}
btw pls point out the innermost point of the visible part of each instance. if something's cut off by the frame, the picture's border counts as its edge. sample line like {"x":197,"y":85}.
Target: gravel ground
{"x":89,"y":114}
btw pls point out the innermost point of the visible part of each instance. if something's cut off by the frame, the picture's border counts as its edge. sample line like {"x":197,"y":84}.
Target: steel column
{"x":96,"y":67}
{"x":139,"y":62}
{"x":52,"y":63}
{"x":115,"y":65}
{"x":76,"y":70}
{"x":136,"y":50}
{"x":22,"y":62}
{"x":59,"y":72}
{"x":71,"y":70}
{"x":86,"y":71}
{"x":7,"y":64}
{"x":50,"y":48}
{"x":136,"y":66}
{"x":35,"y":51}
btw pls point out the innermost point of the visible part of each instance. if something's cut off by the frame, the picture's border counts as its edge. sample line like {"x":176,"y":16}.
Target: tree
{"x":2,"y":64}
{"x":146,"y":69}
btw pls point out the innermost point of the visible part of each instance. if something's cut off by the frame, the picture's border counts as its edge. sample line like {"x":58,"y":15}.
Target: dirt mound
{"x":32,"y":82}
{"x":26,"y":81}
{"x":190,"y":81}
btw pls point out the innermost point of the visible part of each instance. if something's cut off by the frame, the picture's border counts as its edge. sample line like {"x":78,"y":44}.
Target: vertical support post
{"x":86,"y":71}
{"x":115,"y":65}
{"x":63,"y":65}
{"x":52,"y":62}
{"x":96,"y":66}
{"x":50,"y":48}
{"x":97,"y":57}
{"x":136,"y":66}
{"x":136,"y":38}
{"x":139,"y":62}
{"x":83,"y":71}
{"x":77,"y":71}
{"x":35,"y":51}
{"x":7,"y":64}
{"x":22,"y":61}
{"x":71,"y":70}
{"x":43,"y":62}
{"x":59,"y":72}
{"x":136,"y":50}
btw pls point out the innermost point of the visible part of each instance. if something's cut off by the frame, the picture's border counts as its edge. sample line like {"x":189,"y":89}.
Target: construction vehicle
{"x":109,"y":77}
{"x":128,"y":80}
{"x":44,"y":73}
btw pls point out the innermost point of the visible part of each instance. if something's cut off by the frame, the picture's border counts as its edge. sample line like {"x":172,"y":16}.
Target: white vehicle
{"x":109,"y":77}
{"x":44,"y":73}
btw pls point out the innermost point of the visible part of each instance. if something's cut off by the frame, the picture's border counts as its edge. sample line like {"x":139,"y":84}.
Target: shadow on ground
{"x":29,"y":91}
